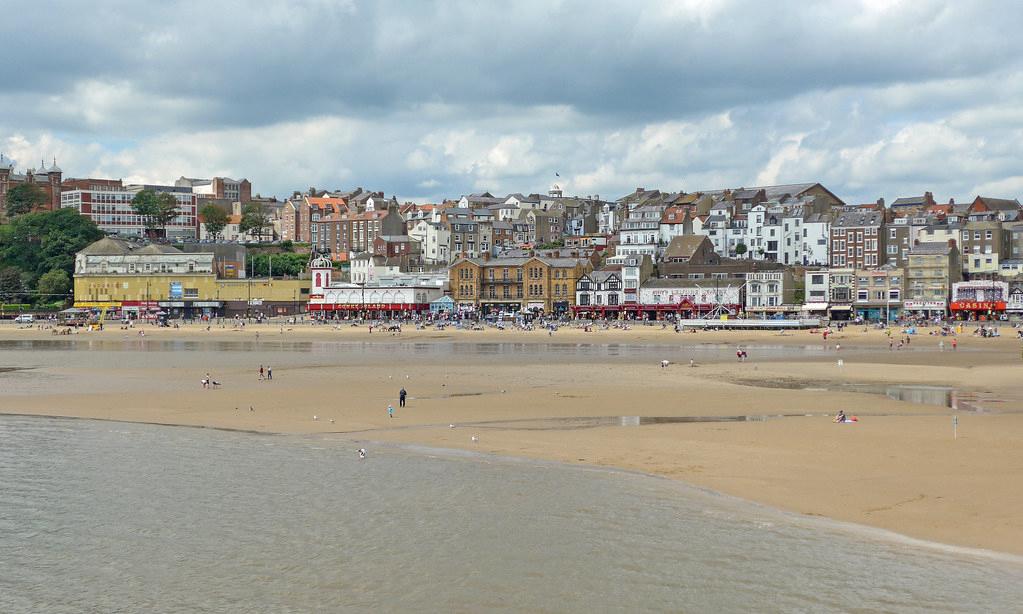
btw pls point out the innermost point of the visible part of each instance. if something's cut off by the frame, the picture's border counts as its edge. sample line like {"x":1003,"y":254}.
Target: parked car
{"x":25,"y":318}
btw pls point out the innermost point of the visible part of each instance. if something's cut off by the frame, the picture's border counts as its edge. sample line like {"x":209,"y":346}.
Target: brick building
{"x":857,"y":238}
{"x":48,"y":179}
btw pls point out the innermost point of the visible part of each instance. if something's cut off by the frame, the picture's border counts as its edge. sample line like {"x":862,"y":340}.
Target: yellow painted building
{"x":113,"y":274}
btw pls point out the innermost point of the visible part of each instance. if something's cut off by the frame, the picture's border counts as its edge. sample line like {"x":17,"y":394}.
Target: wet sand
{"x":898,"y":468}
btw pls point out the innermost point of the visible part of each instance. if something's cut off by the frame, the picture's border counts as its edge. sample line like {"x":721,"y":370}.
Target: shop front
{"x":371,"y":311}
{"x":878,"y":312}
{"x":840,"y":312}
{"x":978,"y":310}
{"x":924,"y":309}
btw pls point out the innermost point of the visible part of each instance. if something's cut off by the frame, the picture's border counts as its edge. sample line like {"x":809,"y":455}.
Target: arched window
{"x":318,"y":281}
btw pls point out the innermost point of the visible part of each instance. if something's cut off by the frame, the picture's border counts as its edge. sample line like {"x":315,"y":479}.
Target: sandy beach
{"x":580,"y":397}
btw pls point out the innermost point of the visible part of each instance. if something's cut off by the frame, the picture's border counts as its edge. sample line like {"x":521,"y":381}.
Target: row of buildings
{"x":132,"y":279}
{"x":763,"y":250}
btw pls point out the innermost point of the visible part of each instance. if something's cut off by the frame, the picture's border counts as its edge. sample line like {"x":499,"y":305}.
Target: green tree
{"x":53,"y":284}
{"x":11,"y":287}
{"x":165,"y":212}
{"x":741,"y":249}
{"x":144,"y":205}
{"x":36,"y":243}
{"x":290,"y":265}
{"x":157,"y":209}
{"x":254,"y":220}
{"x":214,"y":219}
{"x":24,"y":198}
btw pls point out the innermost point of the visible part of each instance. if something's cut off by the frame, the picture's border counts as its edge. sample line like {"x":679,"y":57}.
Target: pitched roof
{"x":684,"y":246}
{"x":157,"y":248}
{"x":999,"y":204}
{"x":108,"y":246}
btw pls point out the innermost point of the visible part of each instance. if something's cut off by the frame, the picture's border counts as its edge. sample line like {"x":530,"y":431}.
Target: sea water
{"x":111,"y":517}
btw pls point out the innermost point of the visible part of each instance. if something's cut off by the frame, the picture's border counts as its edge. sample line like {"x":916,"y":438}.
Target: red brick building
{"x":48,"y":179}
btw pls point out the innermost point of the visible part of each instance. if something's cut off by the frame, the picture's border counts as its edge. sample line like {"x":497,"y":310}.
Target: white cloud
{"x":873,"y":98}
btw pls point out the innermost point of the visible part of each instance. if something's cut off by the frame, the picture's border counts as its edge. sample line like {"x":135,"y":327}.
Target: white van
{"x":25,"y":318}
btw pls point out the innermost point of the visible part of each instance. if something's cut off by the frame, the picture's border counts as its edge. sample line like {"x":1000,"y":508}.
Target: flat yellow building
{"x":117,"y":275}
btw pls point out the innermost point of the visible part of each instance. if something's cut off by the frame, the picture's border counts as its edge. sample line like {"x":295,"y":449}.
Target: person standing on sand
{"x":401,"y":397}
{"x":390,"y":411}
{"x":955,"y":343}
{"x":269,"y":373}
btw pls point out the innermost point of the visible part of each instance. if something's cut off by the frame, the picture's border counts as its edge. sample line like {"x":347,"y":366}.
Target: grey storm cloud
{"x":438,"y":98}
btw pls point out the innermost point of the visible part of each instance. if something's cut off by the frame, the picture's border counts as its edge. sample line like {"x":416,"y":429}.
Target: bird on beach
{"x":451,"y":426}
{"x":475,"y":438}
{"x":250,"y":408}
{"x":332,"y":421}
{"x":316,"y":417}
{"x":362,"y":452}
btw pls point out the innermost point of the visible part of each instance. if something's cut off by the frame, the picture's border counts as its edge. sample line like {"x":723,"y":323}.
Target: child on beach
{"x":261,"y":377}
{"x":390,"y":411}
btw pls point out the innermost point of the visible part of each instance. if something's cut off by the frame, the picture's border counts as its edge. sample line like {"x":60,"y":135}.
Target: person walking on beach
{"x":401,"y":397}
{"x":390,"y":411}
{"x":261,"y":373}
{"x":269,"y":373}
{"x":955,"y":343}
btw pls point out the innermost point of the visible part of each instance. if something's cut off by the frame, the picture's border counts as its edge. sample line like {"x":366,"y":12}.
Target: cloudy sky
{"x":437,"y":99}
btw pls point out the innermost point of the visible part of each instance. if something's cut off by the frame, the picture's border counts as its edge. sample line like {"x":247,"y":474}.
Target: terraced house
{"x":513,"y":284}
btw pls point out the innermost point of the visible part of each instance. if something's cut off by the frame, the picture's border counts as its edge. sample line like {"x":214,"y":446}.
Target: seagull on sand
{"x":475,"y":438}
{"x":316,"y":417}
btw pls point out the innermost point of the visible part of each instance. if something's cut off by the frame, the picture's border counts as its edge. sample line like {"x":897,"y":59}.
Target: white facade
{"x":816,"y":238}
{"x":599,"y":289}
{"x":365,"y":269}
{"x":817,"y":289}
{"x":232,"y":233}
{"x":435,"y":241}
{"x":112,"y":212}
{"x":640,"y":233}
{"x":143,"y":263}
{"x":394,"y":293}
{"x":765,"y":290}
{"x":632,"y":275}
{"x":687,"y":291}
{"x":607,"y":219}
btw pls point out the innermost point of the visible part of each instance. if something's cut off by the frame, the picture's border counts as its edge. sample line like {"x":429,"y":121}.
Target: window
{"x":191,"y":293}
